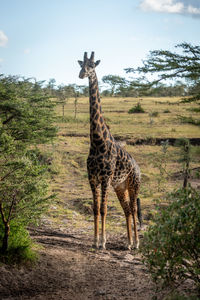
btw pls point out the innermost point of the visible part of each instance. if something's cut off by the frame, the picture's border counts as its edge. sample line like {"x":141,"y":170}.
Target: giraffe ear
{"x":97,"y":63}
{"x":80,"y":63}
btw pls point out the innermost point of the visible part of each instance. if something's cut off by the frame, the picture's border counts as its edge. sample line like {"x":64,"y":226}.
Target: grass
{"x":73,"y":206}
{"x":132,"y":125}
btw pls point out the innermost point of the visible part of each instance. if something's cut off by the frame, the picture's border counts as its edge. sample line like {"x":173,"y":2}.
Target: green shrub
{"x":136,"y":109}
{"x":24,"y":194}
{"x":154,"y":114}
{"x":20,"y":247}
{"x":194,"y":109}
{"x":166,"y":111}
{"x":190,"y":120}
{"x":171,"y":246}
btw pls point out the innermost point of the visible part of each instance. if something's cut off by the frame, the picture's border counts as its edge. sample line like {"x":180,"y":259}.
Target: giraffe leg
{"x":122,"y":194}
{"x":103,"y":210}
{"x":96,"y":210}
{"x":133,"y":193}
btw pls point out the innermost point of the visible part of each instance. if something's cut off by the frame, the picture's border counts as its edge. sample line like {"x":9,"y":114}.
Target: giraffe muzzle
{"x":82,"y":74}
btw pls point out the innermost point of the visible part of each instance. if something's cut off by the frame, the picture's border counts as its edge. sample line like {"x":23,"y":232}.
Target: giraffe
{"x":109,"y":164}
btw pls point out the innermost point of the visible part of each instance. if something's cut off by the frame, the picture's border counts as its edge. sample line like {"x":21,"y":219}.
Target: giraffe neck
{"x":98,"y":129}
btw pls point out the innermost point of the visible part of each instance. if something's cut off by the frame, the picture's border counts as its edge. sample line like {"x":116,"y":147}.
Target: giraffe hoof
{"x":102,"y":247}
{"x":130,"y":246}
{"x":137,"y":245}
{"x":95,"y":246}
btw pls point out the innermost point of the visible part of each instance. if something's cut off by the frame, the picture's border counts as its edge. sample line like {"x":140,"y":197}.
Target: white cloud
{"x":162,"y":6}
{"x":170,"y":6}
{"x":3,"y":39}
{"x":193,"y":10}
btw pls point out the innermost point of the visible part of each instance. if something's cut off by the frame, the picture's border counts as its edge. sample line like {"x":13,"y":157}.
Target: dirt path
{"x":70,"y":269}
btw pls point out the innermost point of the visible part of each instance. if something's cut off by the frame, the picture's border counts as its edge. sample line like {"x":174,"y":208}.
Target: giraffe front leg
{"x":96,"y":231}
{"x":104,"y":191}
{"x":103,"y":231}
{"x":96,"y":210}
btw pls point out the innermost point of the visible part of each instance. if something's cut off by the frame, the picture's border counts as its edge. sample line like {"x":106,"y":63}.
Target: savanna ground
{"x":68,"y":267}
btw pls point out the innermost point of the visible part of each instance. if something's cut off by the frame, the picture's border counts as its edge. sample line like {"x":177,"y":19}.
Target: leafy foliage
{"x":26,"y":118}
{"x":26,"y":112}
{"x":114,"y":81}
{"x":23,"y":188}
{"x":136,"y":109}
{"x":20,"y":245}
{"x":171,"y":247}
{"x":169,"y":65}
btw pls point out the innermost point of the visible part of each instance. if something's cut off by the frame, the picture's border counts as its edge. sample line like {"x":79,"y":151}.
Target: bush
{"x":154,"y":114}
{"x":171,"y":248}
{"x":24,"y":194}
{"x":166,"y":111}
{"x":20,"y":247}
{"x":190,"y":120}
{"x":136,"y":109}
{"x":194,"y":109}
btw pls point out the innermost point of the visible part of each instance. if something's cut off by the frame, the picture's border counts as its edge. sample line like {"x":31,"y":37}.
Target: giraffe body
{"x":108,"y":164}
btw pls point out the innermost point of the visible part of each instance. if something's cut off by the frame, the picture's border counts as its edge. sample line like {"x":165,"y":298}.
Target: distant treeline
{"x":116,"y":86}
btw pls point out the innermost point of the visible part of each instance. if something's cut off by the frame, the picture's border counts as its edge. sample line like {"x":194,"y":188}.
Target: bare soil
{"x":68,"y":268}
{"x":146,"y":141}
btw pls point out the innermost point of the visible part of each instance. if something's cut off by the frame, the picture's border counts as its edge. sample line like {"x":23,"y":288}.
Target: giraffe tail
{"x":139,"y":211}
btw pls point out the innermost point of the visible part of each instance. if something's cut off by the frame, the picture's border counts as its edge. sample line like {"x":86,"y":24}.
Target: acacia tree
{"x":114,"y":82}
{"x":26,"y":112}
{"x":23,"y":189}
{"x":26,"y":119}
{"x":171,"y":65}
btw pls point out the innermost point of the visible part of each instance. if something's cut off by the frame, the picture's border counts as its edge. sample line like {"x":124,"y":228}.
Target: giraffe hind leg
{"x":133,"y":189}
{"x":122,"y":194}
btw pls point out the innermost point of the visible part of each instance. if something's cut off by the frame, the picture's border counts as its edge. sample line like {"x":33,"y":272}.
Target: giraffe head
{"x":87,"y":66}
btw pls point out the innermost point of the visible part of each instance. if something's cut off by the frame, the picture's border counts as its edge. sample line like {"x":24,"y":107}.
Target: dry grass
{"x":69,"y":174}
{"x":133,"y":125}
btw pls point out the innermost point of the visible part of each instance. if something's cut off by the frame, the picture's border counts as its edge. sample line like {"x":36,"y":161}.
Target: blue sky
{"x":45,"y":38}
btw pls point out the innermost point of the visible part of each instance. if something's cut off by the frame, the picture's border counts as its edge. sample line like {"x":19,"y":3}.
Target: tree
{"x":51,"y":86}
{"x":170,"y":65}
{"x":61,"y":95}
{"x":26,"y":112}
{"x":26,"y":119}
{"x":114,"y":82}
{"x":23,"y":188}
{"x":84,"y":90}
{"x":69,"y":90}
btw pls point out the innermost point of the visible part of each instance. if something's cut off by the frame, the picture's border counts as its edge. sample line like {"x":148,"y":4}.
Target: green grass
{"x":21,"y":249}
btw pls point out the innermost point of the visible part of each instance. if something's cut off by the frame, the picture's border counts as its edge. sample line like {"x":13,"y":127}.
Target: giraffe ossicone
{"x":109,"y":164}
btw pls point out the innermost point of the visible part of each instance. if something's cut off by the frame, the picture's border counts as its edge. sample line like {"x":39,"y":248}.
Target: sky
{"x":45,"y":38}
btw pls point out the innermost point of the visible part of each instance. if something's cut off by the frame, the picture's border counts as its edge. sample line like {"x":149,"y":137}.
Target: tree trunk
{"x":4,"y":247}
{"x":75,"y":107}
{"x":63,"y":110}
{"x":186,"y":176}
